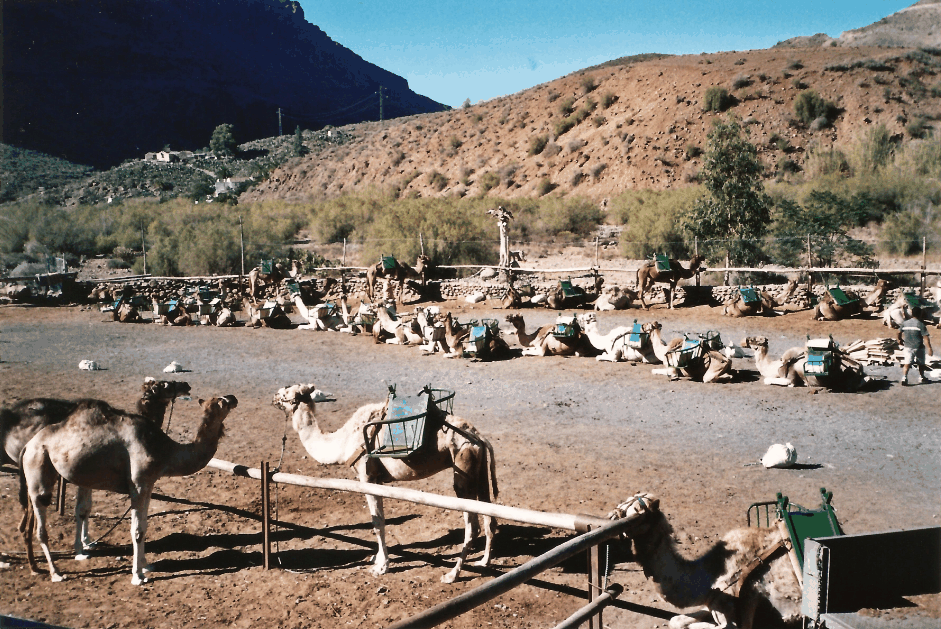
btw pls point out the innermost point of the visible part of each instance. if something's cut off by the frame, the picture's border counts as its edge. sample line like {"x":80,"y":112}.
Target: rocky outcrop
{"x":99,"y":82}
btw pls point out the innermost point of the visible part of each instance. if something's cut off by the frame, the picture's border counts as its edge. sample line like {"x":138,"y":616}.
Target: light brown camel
{"x":828,"y":310}
{"x":765,"y":304}
{"x":558,"y":300}
{"x":396,"y":331}
{"x":399,"y":273}
{"x":100,"y":447}
{"x":449,"y":450}
{"x":256,"y":277}
{"x":544,"y":343}
{"x":20,"y":423}
{"x":730,"y":581}
{"x":649,"y":274}
{"x":708,"y":366}
{"x":845,"y":374}
{"x":613,"y":345}
{"x":615,"y":298}
{"x":454,"y":335}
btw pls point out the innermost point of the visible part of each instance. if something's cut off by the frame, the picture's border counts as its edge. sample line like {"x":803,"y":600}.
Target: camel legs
{"x":139,"y":507}
{"x":470,"y":481}
{"x":374,"y":503}
{"x":82,"y":511}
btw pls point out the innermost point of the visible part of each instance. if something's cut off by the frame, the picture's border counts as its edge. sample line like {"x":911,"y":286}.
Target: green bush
{"x":544,"y":187}
{"x":567,"y":106}
{"x":454,"y":142}
{"x":717,"y":99}
{"x":488,"y":181}
{"x":693,"y":151}
{"x":652,"y":221}
{"x":560,"y":127}
{"x":437,"y":181}
{"x":537,"y":144}
{"x":588,"y":83}
{"x":809,"y":106}
{"x":608,"y":99}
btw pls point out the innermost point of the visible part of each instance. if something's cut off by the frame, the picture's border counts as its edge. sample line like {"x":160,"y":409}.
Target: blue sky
{"x":481,"y":49}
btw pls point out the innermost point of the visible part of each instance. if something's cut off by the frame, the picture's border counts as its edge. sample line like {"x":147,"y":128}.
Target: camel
{"x":268,"y":314}
{"x":257,"y":277}
{"x":488,"y":344}
{"x":791,"y":369}
{"x":512,"y":300}
{"x":827,"y":308}
{"x":100,"y":447}
{"x":765,"y":304}
{"x":544,"y":343}
{"x":613,"y":345}
{"x":176,"y":315}
{"x":558,"y":300}
{"x":649,"y":274}
{"x":615,"y":298}
{"x":461,"y":448}
{"x":746,"y":580}
{"x":395,"y":331}
{"x":399,"y":272}
{"x":708,"y":366}
{"x":454,"y":335}
{"x":20,"y":422}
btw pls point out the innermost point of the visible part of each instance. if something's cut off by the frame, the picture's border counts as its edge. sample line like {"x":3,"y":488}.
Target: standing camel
{"x":101,"y":447}
{"x":398,"y":273}
{"x":20,"y":423}
{"x":449,"y":450}
{"x":746,"y":580}
{"x":649,"y":274}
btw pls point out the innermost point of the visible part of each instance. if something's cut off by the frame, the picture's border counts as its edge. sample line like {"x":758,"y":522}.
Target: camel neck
{"x":189,"y":458}
{"x":682,"y":582}
{"x":325,"y":448}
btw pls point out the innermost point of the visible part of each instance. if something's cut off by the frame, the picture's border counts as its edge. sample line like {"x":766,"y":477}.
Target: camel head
{"x":638,"y":504}
{"x":695,"y":263}
{"x":215,"y":410}
{"x":289,"y":398}
{"x":516,"y":320}
{"x":587,"y":319}
{"x":163,"y":389}
{"x":755,"y":342}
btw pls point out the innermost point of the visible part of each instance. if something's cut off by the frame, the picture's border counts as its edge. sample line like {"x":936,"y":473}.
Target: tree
{"x":223,"y":140}
{"x":735,"y":212}
{"x":298,"y":144}
{"x":825,"y":220}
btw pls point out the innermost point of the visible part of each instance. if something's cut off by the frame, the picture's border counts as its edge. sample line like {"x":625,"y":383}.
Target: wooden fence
{"x":593,"y":532}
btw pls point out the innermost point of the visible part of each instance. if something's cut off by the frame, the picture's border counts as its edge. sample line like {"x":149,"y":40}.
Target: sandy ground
{"x":571,"y":435}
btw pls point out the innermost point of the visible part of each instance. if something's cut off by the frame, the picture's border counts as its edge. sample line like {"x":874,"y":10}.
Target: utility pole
{"x":380,"y":103}
{"x":143,"y":245}
{"x":279,"y":122}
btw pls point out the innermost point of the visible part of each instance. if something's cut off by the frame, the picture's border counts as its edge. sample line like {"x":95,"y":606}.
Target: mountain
{"x":917,"y":26}
{"x":100,"y":81}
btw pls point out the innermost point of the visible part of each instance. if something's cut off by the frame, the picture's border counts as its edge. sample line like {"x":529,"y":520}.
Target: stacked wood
{"x":884,"y":351}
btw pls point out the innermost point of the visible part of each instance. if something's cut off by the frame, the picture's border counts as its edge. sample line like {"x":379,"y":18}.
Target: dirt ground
{"x":571,"y":435}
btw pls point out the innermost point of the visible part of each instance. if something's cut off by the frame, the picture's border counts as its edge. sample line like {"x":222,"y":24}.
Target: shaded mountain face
{"x":100,"y":81}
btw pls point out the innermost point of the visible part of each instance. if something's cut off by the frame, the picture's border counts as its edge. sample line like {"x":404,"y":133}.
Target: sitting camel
{"x":266,"y":314}
{"x":613,"y":345}
{"x":100,"y":447}
{"x":827,"y":308}
{"x":20,"y":423}
{"x":544,"y":343}
{"x":396,"y":331}
{"x":461,"y":449}
{"x":649,"y":274}
{"x":615,"y":298}
{"x":558,"y":300}
{"x":764,"y":305}
{"x":707,"y":366}
{"x":789,"y":371}
{"x":399,"y":272}
{"x":256,"y":277}
{"x":746,"y":580}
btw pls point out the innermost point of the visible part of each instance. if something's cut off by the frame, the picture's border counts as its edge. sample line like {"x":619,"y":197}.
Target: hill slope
{"x":99,"y":82}
{"x":644,"y":130}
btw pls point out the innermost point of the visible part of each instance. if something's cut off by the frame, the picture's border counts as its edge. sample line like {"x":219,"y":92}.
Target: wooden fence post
{"x":595,"y":577}
{"x":60,"y":496}
{"x":265,"y":515}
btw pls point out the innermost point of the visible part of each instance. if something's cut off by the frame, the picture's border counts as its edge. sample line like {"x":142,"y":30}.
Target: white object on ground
{"x":475,"y":298}
{"x":173,"y":367}
{"x":538,"y":299}
{"x":88,"y":365}
{"x":780,"y":456}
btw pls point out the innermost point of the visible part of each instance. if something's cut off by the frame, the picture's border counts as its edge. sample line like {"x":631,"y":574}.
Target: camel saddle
{"x":819,"y":357}
{"x":570,"y":290}
{"x":566,"y":327}
{"x":662,"y":262}
{"x":481,"y":333}
{"x":266,"y":266}
{"x":637,"y":338}
{"x":388,"y":263}
{"x":682,"y":356}
{"x":405,"y":423}
{"x":840,"y":296}
{"x":750,"y":295}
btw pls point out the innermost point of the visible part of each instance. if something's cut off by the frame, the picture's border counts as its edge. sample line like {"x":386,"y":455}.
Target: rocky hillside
{"x":627,"y":124}
{"x":100,"y":82}
{"x":916,"y":26}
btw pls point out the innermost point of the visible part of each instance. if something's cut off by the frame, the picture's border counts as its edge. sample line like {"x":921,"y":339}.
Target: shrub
{"x":918,"y":128}
{"x":552,"y":149}
{"x":597,"y":169}
{"x":465,"y":176}
{"x":740,"y":81}
{"x":397,"y":158}
{"x":652,"y":221}
{"x":809,"y":106}
{"x":693,"y":151}
{"x":488,"y":181}
{"x":740,"y":62}
{"x":544,"y":187}
{"x":507,"y":173}
{"x":437,"y":181}
{"x":599,"y":120}
{"x":795,"y":65}
{"x":828,"y":162}
{"x":608,"y":99}
{"x":537,"y":144}
{"x":820,"y":123}
{"x":553,"y":96}
{"x":576,"y":145}
{"x":563,"y":126}
{"x":567,"y":106}
{"x":588,"y":83}
{"x":799,"y":84}
{"x":454,"y":142}
{"x":717,"y":99}
{"x":577,"y":177}
{"x":787,"y":165}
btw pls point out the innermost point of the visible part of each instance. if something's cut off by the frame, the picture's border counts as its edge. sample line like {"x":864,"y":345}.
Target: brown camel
{"x":566,"y":296}
{"x":649,"y":274}
{"x":705,"y":366}
{"x":256,"y":277}
{"x":736,"y":587}
{"x":764,"y":304}
{"x":100,"y":447}
{"x":20,"y":423}
{"x":828,"y":309}
{"x":398,"y":273}
{"x":615,"y":298}
{"x":465,"y":451}
{"x":845,"y":374}
{"x":544,"y":343}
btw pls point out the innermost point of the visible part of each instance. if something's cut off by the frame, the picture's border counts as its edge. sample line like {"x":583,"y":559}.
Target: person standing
{"x":913,"y":335}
